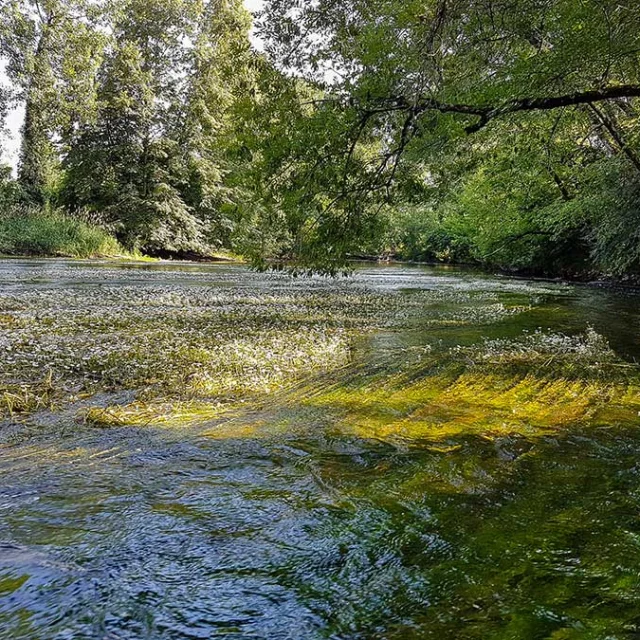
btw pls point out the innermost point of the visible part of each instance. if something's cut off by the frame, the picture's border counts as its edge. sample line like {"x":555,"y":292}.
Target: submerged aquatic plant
{"x":16,"y":399}
{"x":587,"y":350}
{"x":175,"y":343}
{"x":188,"y":351}
{"x":529,"y":386}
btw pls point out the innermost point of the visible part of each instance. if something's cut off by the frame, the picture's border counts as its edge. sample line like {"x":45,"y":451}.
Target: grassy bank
{"x":54,"y":234}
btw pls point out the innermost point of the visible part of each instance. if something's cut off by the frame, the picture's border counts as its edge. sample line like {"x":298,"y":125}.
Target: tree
{"x":52,"y":49}
{"x":404,"y":82}
{"x":222,"y":78}
{"x":153,"y":163}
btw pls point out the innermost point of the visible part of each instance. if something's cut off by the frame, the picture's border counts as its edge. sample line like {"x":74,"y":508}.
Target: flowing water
{"x":323,"y":511}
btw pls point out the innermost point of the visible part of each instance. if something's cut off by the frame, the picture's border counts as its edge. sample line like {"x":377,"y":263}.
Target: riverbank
{"x":628,"y":282}
{"x":56,"y":235}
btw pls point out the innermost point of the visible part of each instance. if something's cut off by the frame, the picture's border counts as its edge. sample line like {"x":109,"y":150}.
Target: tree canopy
{"x":419,"y":100}
{"x":495,"y":131}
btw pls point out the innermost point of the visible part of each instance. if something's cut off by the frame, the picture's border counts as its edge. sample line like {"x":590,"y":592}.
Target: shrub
{"x":29,"y":232}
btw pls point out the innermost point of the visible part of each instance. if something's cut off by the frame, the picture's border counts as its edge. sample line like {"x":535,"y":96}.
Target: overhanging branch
{"x":487,"y":113}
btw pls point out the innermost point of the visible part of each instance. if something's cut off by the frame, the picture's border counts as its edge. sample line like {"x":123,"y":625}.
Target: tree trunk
{"x":609,"y":124}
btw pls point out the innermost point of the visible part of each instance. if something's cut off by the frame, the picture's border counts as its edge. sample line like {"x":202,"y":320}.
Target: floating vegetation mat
{"x":62,"y":345}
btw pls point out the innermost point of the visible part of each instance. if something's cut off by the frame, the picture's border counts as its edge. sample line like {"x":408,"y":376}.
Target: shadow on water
{"x":337,"y":509}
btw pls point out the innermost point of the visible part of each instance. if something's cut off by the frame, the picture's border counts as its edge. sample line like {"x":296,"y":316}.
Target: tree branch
{"x":609,"y":125}
{"x":488,"y":113}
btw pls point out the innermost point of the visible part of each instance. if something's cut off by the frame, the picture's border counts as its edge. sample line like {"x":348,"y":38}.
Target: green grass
{"x":54,"y":234}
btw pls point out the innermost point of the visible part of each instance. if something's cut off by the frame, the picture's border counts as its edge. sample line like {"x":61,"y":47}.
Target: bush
{"x":417,"y":233}
{"x":33,"y":233}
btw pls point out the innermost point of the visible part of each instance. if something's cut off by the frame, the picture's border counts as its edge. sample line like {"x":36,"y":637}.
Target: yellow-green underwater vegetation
{"x":405,"y":453}
{"x":186,"y":352}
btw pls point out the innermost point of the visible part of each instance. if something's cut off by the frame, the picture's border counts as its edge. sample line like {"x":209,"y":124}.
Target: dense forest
{"x":497,"y":132}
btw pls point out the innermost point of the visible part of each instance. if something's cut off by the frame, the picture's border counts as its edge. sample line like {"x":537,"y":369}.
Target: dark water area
{"x":293,"y":520}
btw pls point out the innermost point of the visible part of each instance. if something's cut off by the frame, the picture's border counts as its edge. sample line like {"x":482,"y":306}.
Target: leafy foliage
{"x":25,"y":232}
{"x":500,"y":132}
{"x":151,"y":162}
{"x":492,"y":117}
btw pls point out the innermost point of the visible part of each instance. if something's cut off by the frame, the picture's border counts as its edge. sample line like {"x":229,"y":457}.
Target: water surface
{"x":298,"y":518}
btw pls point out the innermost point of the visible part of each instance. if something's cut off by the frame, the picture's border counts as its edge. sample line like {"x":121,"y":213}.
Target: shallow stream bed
{"x":192,"y":452}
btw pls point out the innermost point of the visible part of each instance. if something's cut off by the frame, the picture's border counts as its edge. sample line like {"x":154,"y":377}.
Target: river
{"x":355,"y":503}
